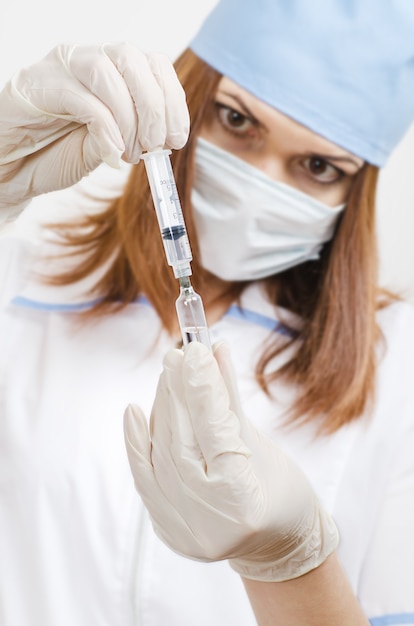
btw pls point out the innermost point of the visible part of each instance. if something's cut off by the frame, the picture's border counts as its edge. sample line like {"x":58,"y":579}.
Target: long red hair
{"x":336,"y":297}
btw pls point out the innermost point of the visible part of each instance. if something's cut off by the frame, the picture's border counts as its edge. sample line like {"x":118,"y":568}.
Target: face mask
{"x":250,"y":226}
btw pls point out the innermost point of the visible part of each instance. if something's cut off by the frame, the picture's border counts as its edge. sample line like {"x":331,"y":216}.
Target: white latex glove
{"x":80,"y":106}
{"x":214,"y":486}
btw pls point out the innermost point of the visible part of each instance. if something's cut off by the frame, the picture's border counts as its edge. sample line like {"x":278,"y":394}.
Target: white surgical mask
{"x":250,"y":226}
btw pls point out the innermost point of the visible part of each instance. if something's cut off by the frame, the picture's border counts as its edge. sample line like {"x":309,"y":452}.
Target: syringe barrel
{"x":168,"y":209}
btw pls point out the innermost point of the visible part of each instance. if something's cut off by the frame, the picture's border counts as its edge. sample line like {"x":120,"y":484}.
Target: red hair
{"x":334,"y":363}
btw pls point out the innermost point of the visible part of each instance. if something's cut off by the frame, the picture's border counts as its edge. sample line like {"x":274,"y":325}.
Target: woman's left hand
{"x":214,"y":486}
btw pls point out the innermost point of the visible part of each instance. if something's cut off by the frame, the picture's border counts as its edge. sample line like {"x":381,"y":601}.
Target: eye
{"x":321,"y":170}
{"x":233,"y":121}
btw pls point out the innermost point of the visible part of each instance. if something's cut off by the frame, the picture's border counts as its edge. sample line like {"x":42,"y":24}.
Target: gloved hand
{"x":80,"y":106}
{"x":214,"y":486}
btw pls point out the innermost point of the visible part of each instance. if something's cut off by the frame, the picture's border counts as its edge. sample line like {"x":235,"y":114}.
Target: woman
{"x":322,"y":358}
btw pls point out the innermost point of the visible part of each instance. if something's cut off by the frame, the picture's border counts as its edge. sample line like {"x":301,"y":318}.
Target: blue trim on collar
{"x":393,"y":620}
{"x":38,"y":305}
{"x":63,"y":307}
{"x":234,"y":311}
{"x":260,"y":320}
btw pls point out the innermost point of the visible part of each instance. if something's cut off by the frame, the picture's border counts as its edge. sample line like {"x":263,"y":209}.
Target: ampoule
{"x":191,"y":316}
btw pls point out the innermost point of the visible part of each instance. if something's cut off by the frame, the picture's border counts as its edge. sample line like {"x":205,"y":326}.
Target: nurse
{"x":293,"y":465}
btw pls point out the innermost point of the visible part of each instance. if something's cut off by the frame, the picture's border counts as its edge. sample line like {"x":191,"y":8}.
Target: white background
{"x":29,"y":28}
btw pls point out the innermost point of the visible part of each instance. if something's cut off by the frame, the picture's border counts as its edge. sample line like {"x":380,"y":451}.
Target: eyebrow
{"x":241,"y":104}
{"x":327,"y":157}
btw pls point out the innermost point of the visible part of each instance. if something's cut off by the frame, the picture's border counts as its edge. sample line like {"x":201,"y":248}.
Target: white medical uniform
{"x":76,"y":545}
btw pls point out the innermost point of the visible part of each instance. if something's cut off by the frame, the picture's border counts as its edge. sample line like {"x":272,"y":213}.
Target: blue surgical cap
{"x":343,"y":68}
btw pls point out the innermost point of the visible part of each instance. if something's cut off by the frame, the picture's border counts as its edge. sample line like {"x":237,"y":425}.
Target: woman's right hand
{"x":81,"y":106}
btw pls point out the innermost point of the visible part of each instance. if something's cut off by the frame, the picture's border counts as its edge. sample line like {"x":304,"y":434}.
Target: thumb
{"x":248,"y":433}
{"x":216,"y":426}
{"x":138,"y":443}
{"x":167,"y":522}
{"x":222,"y":355}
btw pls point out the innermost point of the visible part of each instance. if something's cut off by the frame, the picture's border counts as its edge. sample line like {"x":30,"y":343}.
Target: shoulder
{"x":396,"y":322}
{"x":396,"y":313}
{"x":395,"y":388}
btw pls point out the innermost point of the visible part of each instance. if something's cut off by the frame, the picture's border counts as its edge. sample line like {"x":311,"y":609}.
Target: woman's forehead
{"x":277,"y":122}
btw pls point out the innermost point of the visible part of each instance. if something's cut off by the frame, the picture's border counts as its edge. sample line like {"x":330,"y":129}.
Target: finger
{"x":185,"y":450}
{"x":101,"y":71}
{"x":179,"y":464}
{"x":172,"y":434}
{"x":62,"y":96}
{"x":176,"y":110}
{"x":248,"y":433}
{"x":145,"y":92}
{"x":168,"y":523}
{"x":222,"y":355}
{"x":212,"y":460}
{"x":138,"y":443}
{"x":139,"y":451}
{"x":216,"y":427}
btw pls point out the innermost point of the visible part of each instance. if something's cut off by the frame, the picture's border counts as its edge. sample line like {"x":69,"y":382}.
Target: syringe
{"x":189,"y":306}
